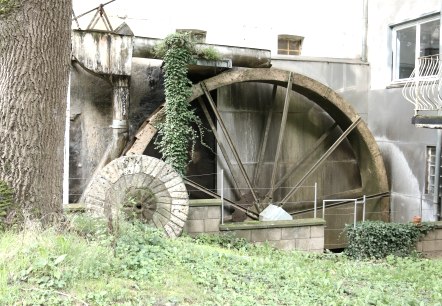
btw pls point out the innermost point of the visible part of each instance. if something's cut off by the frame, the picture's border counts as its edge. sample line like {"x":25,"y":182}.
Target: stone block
{"x":295,"y":233}
{"x":431,"y":246}
{"x":302,"y":244}
{"x":195,"y":226}
{"x":246,"y":234}
{"x":419,"y":246}
{"x":316,"y":244}
{"x":438,"y":233}
{"x":211,"y":225}
{"x":286,"y":245}
{"x":429,"y":236}
{"x":266,"y":234}
{"x":317,"y":232}
{"x":213,"y":212}
{"x":197,"y":213}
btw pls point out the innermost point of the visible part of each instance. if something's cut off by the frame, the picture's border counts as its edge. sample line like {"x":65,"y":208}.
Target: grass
{"x":83,"y":265}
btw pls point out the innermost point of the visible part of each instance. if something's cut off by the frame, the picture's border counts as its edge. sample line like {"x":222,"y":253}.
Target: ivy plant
{"x":377,"y":239}
{"x":176,"y":133}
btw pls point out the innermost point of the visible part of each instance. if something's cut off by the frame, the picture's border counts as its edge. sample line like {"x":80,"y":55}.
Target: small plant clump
{"x":7,"y":6}
{"x":209,"y":53}
{"x":6,"y":201}
{"x":377,"y":239}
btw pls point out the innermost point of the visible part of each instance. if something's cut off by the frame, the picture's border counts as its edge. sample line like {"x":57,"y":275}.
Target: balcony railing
{"x":423,"y":86}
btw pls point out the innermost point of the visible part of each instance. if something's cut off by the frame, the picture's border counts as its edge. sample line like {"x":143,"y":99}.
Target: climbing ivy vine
{"x":176,"y":133}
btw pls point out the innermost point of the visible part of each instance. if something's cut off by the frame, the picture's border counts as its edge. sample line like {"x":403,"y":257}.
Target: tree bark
{"x":34,"y":71}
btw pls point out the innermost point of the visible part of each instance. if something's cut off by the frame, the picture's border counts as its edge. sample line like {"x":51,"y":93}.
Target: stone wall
{"x":302,"y":234}
{"x":431,"y":244}
{"x":204,"y":216}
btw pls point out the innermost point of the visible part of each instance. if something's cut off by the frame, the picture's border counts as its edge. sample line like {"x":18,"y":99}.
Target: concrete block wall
{"x":204,"y":217}
{"x":431,"y":244}
{"x":302,"y":235}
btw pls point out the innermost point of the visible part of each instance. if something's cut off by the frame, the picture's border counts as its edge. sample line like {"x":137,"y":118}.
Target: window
{"x":290,"y":44}
{"x":198,"y":36}
{"x":430,"y":169}
{"x":414,"y":40}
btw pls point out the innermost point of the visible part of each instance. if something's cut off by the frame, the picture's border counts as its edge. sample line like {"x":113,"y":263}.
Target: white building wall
{"x":330,"y":30}
{"x":381,"y":15}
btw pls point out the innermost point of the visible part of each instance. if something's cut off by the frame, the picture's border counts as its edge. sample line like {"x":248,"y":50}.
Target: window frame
{"x":290,"y":38}
{"x":404,"y":25}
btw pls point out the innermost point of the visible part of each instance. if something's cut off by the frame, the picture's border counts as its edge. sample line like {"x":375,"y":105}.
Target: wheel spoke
{"x":230,"y":143}
{"x":263,"y":144}
{"x":281,"y":134}
{"x":308,"y":154}
{"x":221,"y":145}
{"x":321,"y":160}
{"x":217,"y":196}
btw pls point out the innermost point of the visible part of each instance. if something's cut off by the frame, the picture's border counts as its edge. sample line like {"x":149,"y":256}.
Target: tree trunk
{"x":34,"y":67}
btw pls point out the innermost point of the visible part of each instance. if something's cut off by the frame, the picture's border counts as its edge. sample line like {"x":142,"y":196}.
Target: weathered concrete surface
{"x":103,"y":52}
{"x":240,"y":57}
{"x":431,"y":244}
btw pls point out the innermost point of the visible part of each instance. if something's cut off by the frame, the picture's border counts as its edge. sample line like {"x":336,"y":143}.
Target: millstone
{"x":141,"y":187}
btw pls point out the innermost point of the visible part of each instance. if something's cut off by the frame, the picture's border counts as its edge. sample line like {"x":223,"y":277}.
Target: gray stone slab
{"x":195,"y":226}
{"x":431,"y":246}
{"x":317,"y":232}
{"x":266,"y":234}
{"x":211,"y":225}
{"x":316,"y":244}
{"x":213,"y":212}
{"x":295,"y":233}
{"x":303,"y":244}
{"x":197,"y":213}
{"x":286,"y":245}
{"x":246,"y":234}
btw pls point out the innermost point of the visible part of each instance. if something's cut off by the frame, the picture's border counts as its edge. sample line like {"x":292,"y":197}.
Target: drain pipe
{"x":364,"y":30}
{"x":120,"y":126}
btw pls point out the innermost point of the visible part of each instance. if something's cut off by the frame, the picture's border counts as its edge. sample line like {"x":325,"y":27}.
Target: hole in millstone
{"x":139,"y":203}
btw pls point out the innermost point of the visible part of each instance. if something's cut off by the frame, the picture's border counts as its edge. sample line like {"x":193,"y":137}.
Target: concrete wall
{"x":91,"y":116}
{"x":301,"y":235}
{"x":403,"y":145}
{"x":431,"y":244}
{"x":204,"y":217}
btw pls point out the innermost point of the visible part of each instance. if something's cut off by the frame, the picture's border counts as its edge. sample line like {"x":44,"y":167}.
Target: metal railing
{"x":355,"y":201}
{"x":423,"y":86}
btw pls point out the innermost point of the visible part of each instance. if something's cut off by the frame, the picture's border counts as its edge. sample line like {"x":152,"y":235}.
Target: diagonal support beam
{"x":220,"y":144}
{"x":281,"y":134}
{"x":231,"y":145}
{"x":307,"y":154}
{"x":321,"y":160}
{"x":249,"y":213}
{"x":263,"y":145}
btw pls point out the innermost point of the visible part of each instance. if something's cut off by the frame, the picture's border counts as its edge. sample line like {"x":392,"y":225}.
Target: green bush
{"x":377,"y":239}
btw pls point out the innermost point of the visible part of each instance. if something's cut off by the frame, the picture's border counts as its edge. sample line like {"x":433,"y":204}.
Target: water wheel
{"x":140,"y":187}
{"x":278,"y":132}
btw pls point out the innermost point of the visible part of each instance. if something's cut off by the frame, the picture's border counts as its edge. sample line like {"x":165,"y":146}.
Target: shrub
{"x":377,"y":239}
